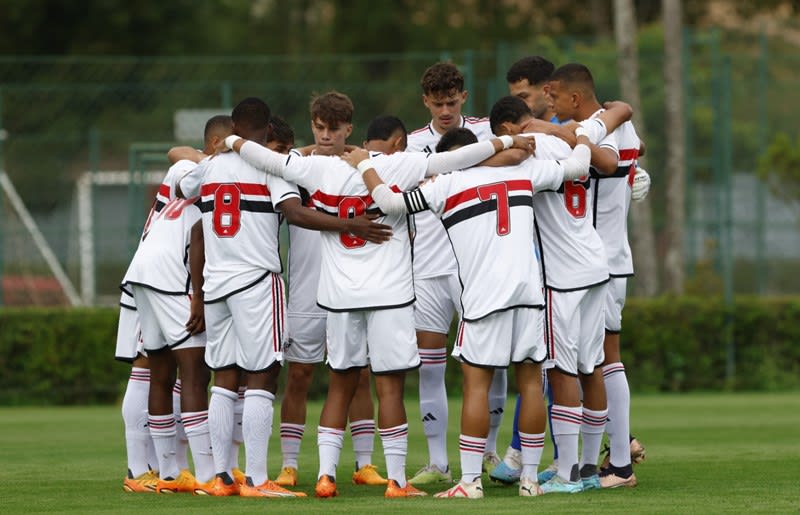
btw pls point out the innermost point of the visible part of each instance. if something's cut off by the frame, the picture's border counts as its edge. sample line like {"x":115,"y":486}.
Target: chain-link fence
{"x":83,"y":143}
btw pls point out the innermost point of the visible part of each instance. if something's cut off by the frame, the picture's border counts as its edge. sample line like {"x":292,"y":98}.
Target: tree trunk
{"x":641,"y":233}
{"x":674,"y":262}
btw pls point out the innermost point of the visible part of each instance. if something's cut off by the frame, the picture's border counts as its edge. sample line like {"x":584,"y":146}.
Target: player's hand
{"x":355,"y":156}
{"x":363,"y":227}
{"x":565,"y":132}
{"x":197,"y":320}
{"x":526,"y":143}
{"x":220,"y":147}
{"x":641,"y":184}
{"x":611,"y":104}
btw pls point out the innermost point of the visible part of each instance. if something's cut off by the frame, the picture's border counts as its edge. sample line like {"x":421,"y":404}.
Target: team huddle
{"x":516,"y":223}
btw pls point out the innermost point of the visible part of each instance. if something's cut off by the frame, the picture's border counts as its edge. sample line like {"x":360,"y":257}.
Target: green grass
{"x":707,"y":453}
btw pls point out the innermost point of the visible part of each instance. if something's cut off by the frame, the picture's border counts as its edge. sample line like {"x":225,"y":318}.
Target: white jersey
{"x":488,"y":214}
{"x":305,"y":260}
{"x":356,"y":274}
{"x":613,"y":198}
{"x":161,"y":261}
{"x":240,"y":222}
{"x":433,"y":255}
{"x":572,"y":254}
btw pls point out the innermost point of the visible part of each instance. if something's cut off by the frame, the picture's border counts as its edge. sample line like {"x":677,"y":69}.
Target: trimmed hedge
{"x":59,"y":356}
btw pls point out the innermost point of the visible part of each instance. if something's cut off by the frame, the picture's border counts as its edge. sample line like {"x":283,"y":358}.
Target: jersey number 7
{"x":498,"y":192}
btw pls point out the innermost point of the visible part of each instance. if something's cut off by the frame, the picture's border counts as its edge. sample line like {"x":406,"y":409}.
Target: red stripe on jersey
{"x":333,"y":201}
{"x":244,"y":187}
{"x":163,"y":190}
{"x":421,"y":129}
{"x":628,"y":154}
{"x":472,"y":193}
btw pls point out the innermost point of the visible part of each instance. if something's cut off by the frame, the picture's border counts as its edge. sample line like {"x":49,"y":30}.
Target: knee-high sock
{"x":195,"y":423}
{"x":532,"y":446}
{"x":256,"y":429}
{"x":181,"y":442}
{"x":329,"y":442}
{"x":236,"y":441}
{"x":162,"y":429}
{"x":471,"y":449}
{"x":134,"y":416}
{"x":291,"y":437}
{"x":395,"y":448}
{"x":497,"y":402}
{"x":433,"y":404}
{"x":592,"y":429}
{"x":220,"y":427}
{"x":566,"y":427}
{"x":618,"y":426}
{"x":362,"y":433}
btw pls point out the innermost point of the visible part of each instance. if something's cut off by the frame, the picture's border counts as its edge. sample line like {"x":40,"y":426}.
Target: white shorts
{"x":505,"y":337}
{"x":129,"y":335}
{"x":163,"y":318}
{"x":246,"y":329}
{"x":437,"y":299}
{"x":575,"y":329}
{"x":384,"y":339}
{"x":305,"y":341}
{"x":615,"y":301}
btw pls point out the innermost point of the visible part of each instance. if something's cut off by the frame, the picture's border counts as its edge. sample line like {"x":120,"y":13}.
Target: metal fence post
{"x":226,"y":94}
{"x":2,"y":202}
{"x":761,"y":193}
{"x":690,"y":236}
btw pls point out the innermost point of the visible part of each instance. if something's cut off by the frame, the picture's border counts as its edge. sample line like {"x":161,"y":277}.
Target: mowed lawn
{"x":706,"y":453}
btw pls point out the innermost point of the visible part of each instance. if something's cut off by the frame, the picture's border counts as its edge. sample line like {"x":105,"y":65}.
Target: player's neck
{"x":587,"y":109}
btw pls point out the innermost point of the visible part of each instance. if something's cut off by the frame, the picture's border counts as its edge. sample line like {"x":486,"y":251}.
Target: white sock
{"x":257,"y":428}
{"x":291,"y":437}
{"x":195,"y":423}
{"x":531,"y":449}
{"x":220,"y":427}
{"x":618,"y":425}
{"x":471,"y":449}
{"x":363,"y":434}
{"x":329,"y":441}
{"x":134,"y":415}
{"x":395,"y":448}
{"x":592,"y":429}
{"x":433,"y":404}
{"x":497,"y":403}
{"x":236,"y":441}
{"x":162,"y":429}
{"x":566,"y":427}
{"x":181,"y":442}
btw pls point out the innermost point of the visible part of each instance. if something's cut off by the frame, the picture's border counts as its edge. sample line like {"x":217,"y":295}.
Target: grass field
{"x":707,"y":453}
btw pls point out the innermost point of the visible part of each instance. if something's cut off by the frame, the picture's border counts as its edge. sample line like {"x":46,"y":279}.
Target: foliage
{"x":780,"y":166}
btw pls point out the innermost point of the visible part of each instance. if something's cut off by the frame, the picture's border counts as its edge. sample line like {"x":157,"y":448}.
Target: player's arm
{"x":256,"y":155}
{"x":470,"y":155}
{"x":175,"y":154}
{"x":189,"y":185}
{"x":390,"y":202}
{"x":616,"y":113}
{"x":360,"y":226}
{"x":577,"y":164}
{"x":197,"y":260}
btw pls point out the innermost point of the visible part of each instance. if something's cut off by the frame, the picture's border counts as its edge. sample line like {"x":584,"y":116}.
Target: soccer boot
{"x":145,"y":483}
{"x":529,"y":488}
{"x":589,"y":478}
{"x":222,"y":485}
{"x":393,"y":490}
{"x":490,"y":461}
{"x":509,"y":469}
{"x":287,"y":477}
{"x":368,"y":475}
{"x":238,"y":477}
{"x":326,"y":487}
{"x":557,"y":485}
{"x":266,"y":489}
{"x":548,"y":473}
{"x":638,"y":453}
{"x":431,"y":474}
{"x":463,"y":490}
{"x":615,"y":477}
{"x":184,"y":483}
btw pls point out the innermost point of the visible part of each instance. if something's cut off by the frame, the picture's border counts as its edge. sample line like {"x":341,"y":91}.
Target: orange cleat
{"x":145,"y":483}
{"x":326,"y":487}
{"x":368,"y":475}
{"x":238,"y":477}
{"x":267,"y":489}
{"x":184,"y":483}
{"x":287,"y":477}
{"x":217,"y":487}
{"x":394,"y":490}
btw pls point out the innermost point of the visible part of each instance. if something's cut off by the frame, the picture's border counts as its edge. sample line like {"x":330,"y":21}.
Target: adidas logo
{"x":497,"y":411}
{"x":429,"y":417}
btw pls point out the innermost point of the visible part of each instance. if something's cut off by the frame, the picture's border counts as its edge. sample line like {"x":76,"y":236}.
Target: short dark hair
{"x":456,"y":137}
{"x":251,"y":114}
{"x":280,"y":131}
{"x":332,"y":108}
{"x":382,"y":127}
{"x":442,"y":78}
{"x":574,"y":74}
{"x":219,"y":123}
{"x":508,"y":109}
{"x":535,"y":68}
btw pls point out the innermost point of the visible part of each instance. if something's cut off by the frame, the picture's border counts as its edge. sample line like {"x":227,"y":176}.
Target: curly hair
{"x":442,"y":78}
{"x":332,"y":108}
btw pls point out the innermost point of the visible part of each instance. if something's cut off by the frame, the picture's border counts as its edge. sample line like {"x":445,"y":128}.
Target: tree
{"x":643,"y":241}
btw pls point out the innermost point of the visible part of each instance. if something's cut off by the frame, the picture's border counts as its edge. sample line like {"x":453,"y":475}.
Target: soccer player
{"x":368,"y":292}
{"x":159,"y":278}
{"x":487,"y":211}
{"x":571,"y":89}
{"x":436,"y":283}
{"x":244,"y":299}
{"x":331,"y":124}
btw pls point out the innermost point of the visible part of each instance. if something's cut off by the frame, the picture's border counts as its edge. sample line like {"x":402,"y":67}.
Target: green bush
{"x":59,"y":356}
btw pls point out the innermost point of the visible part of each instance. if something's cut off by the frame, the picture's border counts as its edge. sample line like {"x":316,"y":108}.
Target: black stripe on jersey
{"x":367,"y":308}
{"x":125,"y":306}
{"x":153,"y":288}
{"x":485,"y":207}
{"x":622,"y":171}
{"x":370,"y":211}
{"x":595,"y":198}
{"x":500,"y":310}
{"x":254,"y":206}
{"x":579,"y":288}
{"x":621,"y":276}
{"x":415,"y":201}
{"x":159,"y":205}
{"x":234,"y":292}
